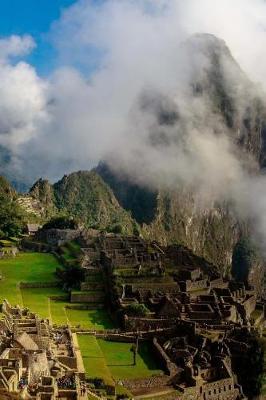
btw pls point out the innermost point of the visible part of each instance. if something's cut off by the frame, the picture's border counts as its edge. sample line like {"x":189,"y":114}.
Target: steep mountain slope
{"x":175,"y":218}
{"x":141,"y":202}
{"x":85,"y":195}
{"x":211,"y":231}
{"x":42,"y":199}
{"x":229,"y":93}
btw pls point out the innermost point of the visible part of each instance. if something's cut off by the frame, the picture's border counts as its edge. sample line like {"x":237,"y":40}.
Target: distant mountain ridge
{"x":83,"y":195}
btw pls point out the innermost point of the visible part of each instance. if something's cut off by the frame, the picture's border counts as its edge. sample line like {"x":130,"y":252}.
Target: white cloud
{"x":14,"y":46}
{"x":22,"y":104}
{"x":148,"y":27}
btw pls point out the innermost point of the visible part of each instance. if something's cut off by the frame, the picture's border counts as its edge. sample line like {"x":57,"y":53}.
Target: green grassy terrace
{"x":114,"y":360}
{"x":40,"y":267}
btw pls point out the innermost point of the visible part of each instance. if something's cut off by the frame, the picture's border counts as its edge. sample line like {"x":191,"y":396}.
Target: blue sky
{"x":33,"y":17}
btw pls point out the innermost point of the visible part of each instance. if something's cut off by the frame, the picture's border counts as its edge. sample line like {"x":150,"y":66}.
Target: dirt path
{"x":80,"y":364}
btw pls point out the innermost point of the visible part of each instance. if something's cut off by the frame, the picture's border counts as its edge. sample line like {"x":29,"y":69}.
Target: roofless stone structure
{"x":36,"y":361}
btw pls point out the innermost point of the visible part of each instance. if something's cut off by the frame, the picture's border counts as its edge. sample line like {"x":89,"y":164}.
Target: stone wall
{"x":132,"y":323}
{"x":196,"y":285}
{"x":92,"y":286}
{"x":111,"y":337}
{"x":87,"y":297}
{"x":57,"y":237}
{"x":70,"y":362}
{"x":218,"y":283}
{"x":164,"y":359}
{"x":8,"y":396}
{"x":9,"y":252}
{"x":146,"y":383}
{"x":249,"y":304}
{"x":38,"y":284}
{"x":223,"y":389}
{"x":31,"y":245}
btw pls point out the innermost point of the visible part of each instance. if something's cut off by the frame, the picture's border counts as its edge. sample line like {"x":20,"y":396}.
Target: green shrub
{"x":61,"y":223}
{"x":136,"y":310}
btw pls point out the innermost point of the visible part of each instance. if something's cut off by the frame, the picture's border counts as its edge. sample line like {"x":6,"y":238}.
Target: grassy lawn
{"x":106,"y":359}
{"x":119,"y":360}
{"x":89,"y":319}
{"x":40,"y":267}
{"x":93,"y":358}
{"x":58,"y":312}
{"x":38,"y":300}
{"x":30,"y":267}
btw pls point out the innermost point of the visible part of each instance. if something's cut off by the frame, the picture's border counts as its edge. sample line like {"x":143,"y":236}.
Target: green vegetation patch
{"x":6,"y":243}
{"x":26,"y":267}
{"x":93,"y":358}
{"x":38,"y":300}
{"x":40,"y":267}
{"x":119,"y":360}
{"x":71,"y":251}
{"x":89,"y":319}
{"x":58,"y":312}
{"x":114,"y":360}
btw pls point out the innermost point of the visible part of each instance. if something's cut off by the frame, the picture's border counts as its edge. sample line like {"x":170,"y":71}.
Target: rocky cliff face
{"x":175,"y":217}
{"x":229,"y":93}
{"x":211,"y":233}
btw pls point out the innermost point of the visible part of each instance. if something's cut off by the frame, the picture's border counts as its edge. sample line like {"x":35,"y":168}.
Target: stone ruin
{"x":192,"y":312}
{"x":197,"y":321}
{"x":36,"y":361}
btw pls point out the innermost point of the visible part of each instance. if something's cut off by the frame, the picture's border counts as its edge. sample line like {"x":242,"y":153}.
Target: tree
{"x":11,"y":218}
{"x":71,"y":276}
{"x":61,"y":223}
{"x":136,"y":310}
{"x":133,"y":349}
{"x":117,"y":228}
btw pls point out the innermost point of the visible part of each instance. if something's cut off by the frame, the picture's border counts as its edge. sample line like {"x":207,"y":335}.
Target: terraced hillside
{"x":29,"y":280}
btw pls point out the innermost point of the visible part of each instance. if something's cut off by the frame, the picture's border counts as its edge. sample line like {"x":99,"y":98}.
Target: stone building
{"x":36,"y":361}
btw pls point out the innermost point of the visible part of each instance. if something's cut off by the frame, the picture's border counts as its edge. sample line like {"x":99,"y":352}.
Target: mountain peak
{"x":208,"y":42}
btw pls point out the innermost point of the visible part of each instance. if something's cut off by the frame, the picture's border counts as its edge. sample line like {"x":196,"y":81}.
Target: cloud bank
{"x":122,"y":48}
{"x":124,"y":93}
